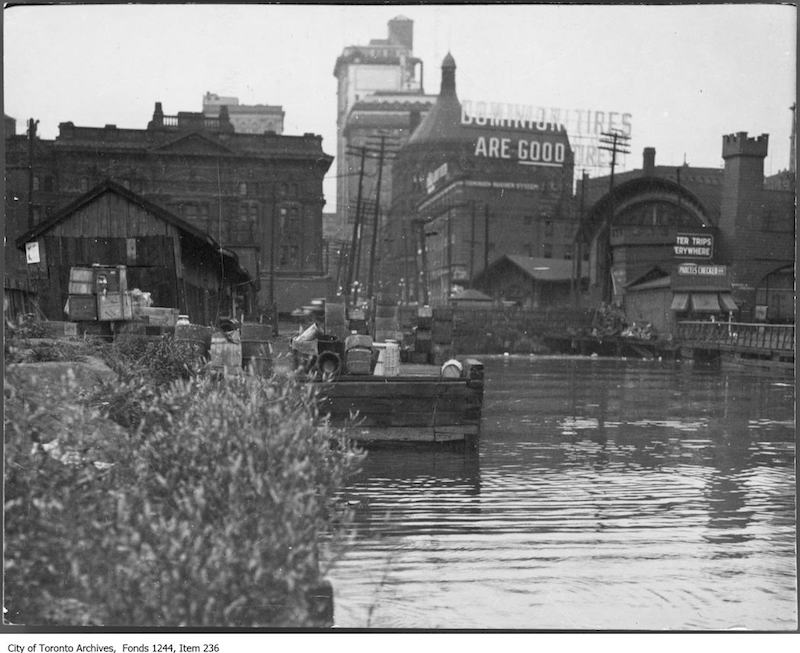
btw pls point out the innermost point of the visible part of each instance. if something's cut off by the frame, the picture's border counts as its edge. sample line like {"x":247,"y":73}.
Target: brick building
{"x":259,"y":195}
{"x":468,"y":191}
{"x":729,"y":222}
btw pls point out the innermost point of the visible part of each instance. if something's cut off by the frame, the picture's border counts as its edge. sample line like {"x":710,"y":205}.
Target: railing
{"x":738,"y":336}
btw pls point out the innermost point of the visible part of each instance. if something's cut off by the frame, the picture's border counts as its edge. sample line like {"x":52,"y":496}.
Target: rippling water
{"x":606,"y":494}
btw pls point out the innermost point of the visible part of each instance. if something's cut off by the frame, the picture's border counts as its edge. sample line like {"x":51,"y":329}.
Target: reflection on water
{"x":605,"y":495}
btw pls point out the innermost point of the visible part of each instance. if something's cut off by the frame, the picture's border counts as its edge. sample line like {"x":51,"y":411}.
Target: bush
{"x":210,"y":513}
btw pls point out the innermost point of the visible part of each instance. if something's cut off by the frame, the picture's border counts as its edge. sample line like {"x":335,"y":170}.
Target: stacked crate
{"x":387,"y":323}
{"x":423,"y":337}
{"x":335,"y":320}
{"x":98,"y":294}
{"x":442,"y":335}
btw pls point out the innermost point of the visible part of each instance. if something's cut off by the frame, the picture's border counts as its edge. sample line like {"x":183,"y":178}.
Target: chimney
{"x":649,"y":161}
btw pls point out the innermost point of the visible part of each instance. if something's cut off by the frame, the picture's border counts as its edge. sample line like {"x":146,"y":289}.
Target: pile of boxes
{"x":100,"y":294}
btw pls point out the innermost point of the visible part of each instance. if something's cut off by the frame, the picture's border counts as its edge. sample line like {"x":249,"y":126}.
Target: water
{"x":606,"y":494}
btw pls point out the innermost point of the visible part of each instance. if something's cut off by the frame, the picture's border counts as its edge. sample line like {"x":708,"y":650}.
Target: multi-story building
{"x":259,"y":195}
{"x":728,"y":225}
{"x":468,"y":190}
{"x":380,"y":101}
{"x":245,"y":118}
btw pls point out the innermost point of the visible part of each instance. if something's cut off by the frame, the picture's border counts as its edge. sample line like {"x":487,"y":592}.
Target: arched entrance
{"x":775,"y":297}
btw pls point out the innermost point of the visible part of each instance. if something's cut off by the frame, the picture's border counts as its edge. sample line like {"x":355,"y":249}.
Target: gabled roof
{"x":206,"y":144}
{"x":471,"y":295}
{"x":231,"y":261}
{"x":540,"y":269}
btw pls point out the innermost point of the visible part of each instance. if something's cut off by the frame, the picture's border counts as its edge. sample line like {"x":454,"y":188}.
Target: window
{"x":242,"y":188}
{"x":35,"y":182}
{"x":547,"y":249}
{"x":548,"y":228}
{"x":48,"y":184}
{"x":84,"y":184}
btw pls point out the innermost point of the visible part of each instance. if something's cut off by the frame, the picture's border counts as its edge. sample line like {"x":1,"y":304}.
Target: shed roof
{"x":201,"y":238}
{"x":540,"y":269}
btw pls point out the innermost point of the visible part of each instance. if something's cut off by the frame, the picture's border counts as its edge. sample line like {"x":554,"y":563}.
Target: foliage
{"x":210,"y":511}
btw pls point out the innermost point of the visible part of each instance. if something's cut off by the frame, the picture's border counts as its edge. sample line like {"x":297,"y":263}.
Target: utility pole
{"x":485,"y":237}
{"x":370,"y":285}
{"x":31,"y":136}
{"x":273,"y":307}
{"x":579,"y":240}
{"x":472,"y":243}
{"x":614,"y":142}
{"x":354,"y":250}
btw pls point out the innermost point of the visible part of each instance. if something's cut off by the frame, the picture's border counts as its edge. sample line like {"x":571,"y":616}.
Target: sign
{"x":433,"y":177}
{"x":576,"y":122}
{"x":526,"y":151}
{"x":694,"y":269}
{"x":32,"y":252}
{"x":693,"y":246}
{"x":584,"y":127}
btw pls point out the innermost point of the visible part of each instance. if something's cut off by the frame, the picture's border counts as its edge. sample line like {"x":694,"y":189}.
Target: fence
{"x":737,"y":336}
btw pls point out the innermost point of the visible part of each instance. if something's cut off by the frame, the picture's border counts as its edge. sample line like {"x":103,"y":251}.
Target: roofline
{"x":111,"y":186}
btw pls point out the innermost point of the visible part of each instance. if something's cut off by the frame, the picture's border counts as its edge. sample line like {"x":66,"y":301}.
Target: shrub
{"x":210,"y":513}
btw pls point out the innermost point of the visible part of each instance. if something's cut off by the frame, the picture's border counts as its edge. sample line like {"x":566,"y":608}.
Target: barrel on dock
{"x":257,"y":348}
{"x":196,"y":336}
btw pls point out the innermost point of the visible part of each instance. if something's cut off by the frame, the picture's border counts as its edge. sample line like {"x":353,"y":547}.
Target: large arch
{"x":643,"y":191}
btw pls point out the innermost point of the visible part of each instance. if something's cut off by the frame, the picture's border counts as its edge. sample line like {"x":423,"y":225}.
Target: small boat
{"x":421,"y":405}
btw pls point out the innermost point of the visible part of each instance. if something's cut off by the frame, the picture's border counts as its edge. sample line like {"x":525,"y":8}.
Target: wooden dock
{"x":417,"y":407}
{"x":738,"y":344}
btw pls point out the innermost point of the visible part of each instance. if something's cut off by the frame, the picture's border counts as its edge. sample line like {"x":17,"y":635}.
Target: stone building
{"x":467,"y":191}
{"x":259,"y":195}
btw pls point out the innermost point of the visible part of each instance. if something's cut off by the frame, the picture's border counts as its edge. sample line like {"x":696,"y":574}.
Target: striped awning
{"x":705,"y":302}
{"x":727,"y":301}
{"x":680,"y":301}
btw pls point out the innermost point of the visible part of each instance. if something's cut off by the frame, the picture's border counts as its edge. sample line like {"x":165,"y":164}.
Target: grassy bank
{"x":163,"y":495}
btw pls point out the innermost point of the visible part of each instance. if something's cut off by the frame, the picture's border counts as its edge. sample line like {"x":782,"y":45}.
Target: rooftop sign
{"x":582,"y":126}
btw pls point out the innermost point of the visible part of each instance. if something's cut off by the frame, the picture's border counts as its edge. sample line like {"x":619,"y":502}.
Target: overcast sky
{"x":687,"y":74}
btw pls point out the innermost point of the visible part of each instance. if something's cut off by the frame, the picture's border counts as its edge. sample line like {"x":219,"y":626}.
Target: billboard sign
{"x":693,"y":246}
{"x":583,"y":127}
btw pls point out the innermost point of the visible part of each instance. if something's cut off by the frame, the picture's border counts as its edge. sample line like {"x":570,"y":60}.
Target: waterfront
{"x":606,"y":494}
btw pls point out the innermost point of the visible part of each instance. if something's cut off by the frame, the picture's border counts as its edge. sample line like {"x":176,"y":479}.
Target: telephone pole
{"x":370,"y":286}
{"x":614,"y":142}
{"x":351,"y":267}
{"x":31,"y":136}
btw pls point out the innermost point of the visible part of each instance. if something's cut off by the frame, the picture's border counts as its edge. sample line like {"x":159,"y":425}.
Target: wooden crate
{"x":157,"y":315}
{"x":114,"y":306}
{"x":82,"y":308}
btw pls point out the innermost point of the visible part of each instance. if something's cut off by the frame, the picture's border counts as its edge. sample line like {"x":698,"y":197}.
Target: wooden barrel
{"x":257,"y":348}
{"x":199,"y":337}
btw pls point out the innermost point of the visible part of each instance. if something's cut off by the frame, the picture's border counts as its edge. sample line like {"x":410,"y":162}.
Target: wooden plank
{"x":411,"y":435}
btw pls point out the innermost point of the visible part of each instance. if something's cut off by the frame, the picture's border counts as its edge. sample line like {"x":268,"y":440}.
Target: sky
{"x":687,"y":74}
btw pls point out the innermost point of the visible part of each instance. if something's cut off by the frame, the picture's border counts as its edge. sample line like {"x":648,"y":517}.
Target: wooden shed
{"x":529,"y":282}
{"x":181,"y":266}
